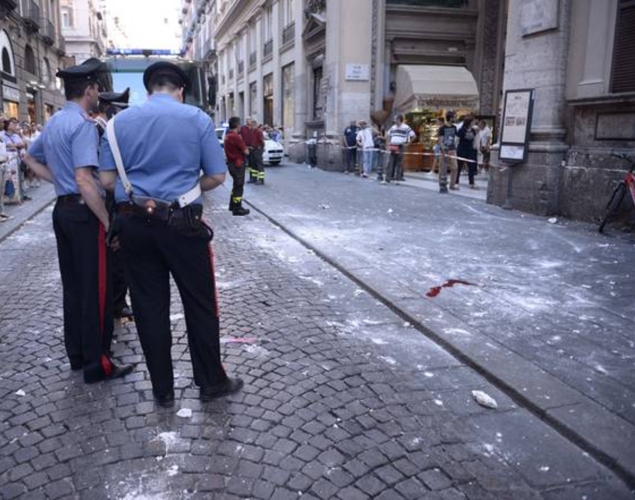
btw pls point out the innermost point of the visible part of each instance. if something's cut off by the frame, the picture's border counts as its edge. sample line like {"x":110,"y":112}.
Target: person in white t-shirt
{"x":400,"y":134}
{"x":365,"y":142}
{"x":484,"y":145}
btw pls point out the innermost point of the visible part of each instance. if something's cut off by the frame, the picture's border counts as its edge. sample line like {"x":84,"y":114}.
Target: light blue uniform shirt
{"x":164,"y":145}
{"x":69,"y":140}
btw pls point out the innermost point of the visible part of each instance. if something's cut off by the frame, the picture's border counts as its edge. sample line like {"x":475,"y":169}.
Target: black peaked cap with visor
{"x":168,"y":69}
{"x":119,"y":99}
{"x":90,"y":70}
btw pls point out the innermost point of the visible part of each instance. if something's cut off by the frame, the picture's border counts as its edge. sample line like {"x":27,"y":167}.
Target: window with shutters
{"x":623,"y":74}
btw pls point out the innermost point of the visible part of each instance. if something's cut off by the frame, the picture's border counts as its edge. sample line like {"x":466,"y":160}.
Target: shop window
{"x":623,"y":74}
{"x":6,"y":61}
{"x":29,"y":60}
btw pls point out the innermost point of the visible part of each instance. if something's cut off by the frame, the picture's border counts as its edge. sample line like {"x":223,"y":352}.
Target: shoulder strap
{"x":114,"y":147}
{"x":183,"y":200}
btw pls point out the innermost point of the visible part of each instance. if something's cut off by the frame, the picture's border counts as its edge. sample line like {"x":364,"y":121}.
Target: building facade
{"x":311,"y":66}
{"x":83,"y":28}
{"x":579,"y":57}
{"x":32,"y":49}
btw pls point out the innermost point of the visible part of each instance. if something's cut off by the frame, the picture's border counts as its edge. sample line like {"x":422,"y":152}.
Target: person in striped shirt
{"x":400,"y":134}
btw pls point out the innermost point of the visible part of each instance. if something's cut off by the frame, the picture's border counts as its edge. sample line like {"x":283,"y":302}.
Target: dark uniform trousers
{"x":88,"y":318}
{"x":257,"y":164}
{"x":152,"y":251}
{"x":238,"y":175}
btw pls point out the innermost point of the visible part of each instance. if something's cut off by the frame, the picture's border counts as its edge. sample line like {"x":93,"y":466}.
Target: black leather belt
{"x":71,"y":199}
{"x":160,"y":212}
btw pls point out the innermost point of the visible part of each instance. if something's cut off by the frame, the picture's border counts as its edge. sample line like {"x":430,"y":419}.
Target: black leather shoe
{"x":230,"y":386}
{"x":76,"y":365}
{"x":240,"y":211}
{"x":165,"y":400}
{"x":117,"y":371}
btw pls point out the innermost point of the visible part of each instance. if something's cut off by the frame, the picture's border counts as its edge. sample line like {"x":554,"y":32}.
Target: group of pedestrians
{"x":375,"y":144}
{"x":15,"y":177}
{"x":464,"y":145}
{"x":460,"y":145}
{"x":156,"y":159}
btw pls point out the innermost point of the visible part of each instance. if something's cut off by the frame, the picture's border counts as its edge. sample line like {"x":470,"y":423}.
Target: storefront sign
{"x":10,"y":94}
{"x":357,"y":72}
{"x":517,"y":115}
{"x":447,"y":102}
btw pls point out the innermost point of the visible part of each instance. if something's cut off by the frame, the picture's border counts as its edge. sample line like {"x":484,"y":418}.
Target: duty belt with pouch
{"x":180,"y":213}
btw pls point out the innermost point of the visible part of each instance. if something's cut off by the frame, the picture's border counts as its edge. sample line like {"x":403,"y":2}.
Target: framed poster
{"x":517,"y":113}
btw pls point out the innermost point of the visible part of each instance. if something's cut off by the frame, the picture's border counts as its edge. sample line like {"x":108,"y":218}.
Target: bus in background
{"x":126,"y":68}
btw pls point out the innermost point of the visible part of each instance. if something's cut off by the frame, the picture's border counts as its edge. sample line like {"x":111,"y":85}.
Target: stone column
{"x":347,"y":43}
{"x":538,"y":60}
{"x":297,"y":150}
{"x":276,"y":29}
{"x":260,"y":108}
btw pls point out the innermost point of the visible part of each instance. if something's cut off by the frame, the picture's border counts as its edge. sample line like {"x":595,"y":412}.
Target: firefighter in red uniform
{"x":236,"y":151}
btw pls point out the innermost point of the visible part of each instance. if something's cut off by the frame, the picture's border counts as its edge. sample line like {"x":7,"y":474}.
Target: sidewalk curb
{"x":17,"y":222}
{"x":605,"y":436}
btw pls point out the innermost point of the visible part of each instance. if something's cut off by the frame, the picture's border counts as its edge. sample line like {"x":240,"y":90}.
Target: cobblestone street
{"x":343,"y":399}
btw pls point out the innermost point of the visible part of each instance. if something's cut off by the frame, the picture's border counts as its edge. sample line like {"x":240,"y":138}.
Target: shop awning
{"x":434,"y":88}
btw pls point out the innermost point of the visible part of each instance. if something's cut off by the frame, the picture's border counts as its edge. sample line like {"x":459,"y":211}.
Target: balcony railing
{"x":268,"y":48}
{"x":253,"y":57}
{"x":48,"y":32}
{"x":31,"y":14}
{"x":288,"y":34}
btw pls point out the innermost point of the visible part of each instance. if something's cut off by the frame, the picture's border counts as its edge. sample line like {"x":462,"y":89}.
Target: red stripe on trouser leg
{"x":210,"y":251}
{"x":102,"y":283}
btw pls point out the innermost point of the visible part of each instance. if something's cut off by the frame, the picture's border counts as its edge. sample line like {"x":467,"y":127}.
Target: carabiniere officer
{"x":164,"y":145}
{"x":66,"y":154}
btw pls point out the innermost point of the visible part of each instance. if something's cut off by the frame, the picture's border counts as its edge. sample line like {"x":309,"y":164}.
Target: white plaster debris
{"x":324,"y":206}
{"x":379,"y":341}
{"x":407,"y":325}
{"x":485,"y":399}
{"x":544,"y":468}
{"x":20,"y":393}
{"x":415,"y":441}
{"x":176,"y":317}
{"x":173,"y":471}
{"x":260,"y":352}
{"x":388,"y":360}
{"x":438,"y":402}
{"x":553,"y":220}
{"x":601,"y":369}
{"x":169,"y":439}
{"x":489,"y":448}
{"x":184,"y":413}
{"x":358,"y":292}
{"x":390,"y":210}
{"x":428,"y":374}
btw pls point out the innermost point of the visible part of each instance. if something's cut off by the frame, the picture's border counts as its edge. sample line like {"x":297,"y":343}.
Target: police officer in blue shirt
{"x":66,"y":154}
{"x":163,"y":146}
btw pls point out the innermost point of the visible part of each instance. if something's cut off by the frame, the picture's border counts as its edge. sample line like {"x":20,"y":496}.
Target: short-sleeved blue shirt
{"x":164,"y":145}
{"x":69,"y":141}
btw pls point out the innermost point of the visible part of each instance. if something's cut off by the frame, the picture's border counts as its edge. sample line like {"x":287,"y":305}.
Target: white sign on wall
{"x":357,"y":72}
{"x":10,"y":94}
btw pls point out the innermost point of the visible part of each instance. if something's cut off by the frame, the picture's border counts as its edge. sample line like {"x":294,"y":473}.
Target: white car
{"x":272,"y":155}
